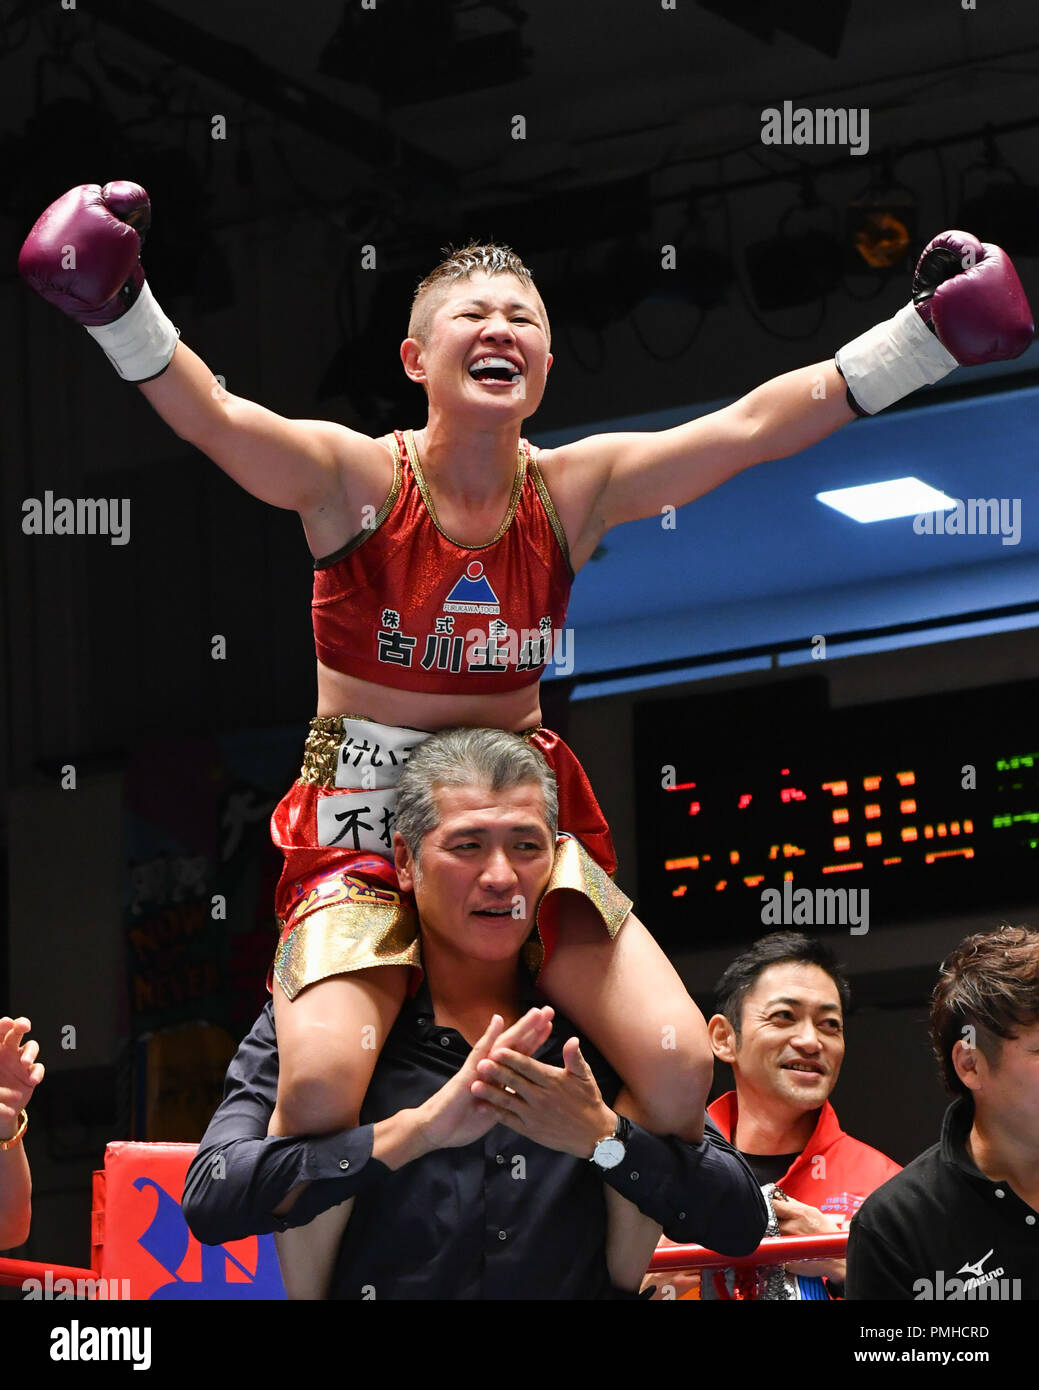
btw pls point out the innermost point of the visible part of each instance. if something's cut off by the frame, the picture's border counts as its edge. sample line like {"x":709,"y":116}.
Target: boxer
{"x":432,"y":550}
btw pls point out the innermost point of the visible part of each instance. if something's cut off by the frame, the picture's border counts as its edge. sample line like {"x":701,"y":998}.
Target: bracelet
{"x":16,"y":1137}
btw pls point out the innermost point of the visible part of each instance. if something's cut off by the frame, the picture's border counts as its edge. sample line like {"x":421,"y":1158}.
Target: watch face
{"x":608,"y":1153}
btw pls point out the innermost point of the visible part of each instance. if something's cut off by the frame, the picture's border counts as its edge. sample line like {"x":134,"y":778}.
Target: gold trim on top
{"x":517,"y":489}
{"x":550,"y":509}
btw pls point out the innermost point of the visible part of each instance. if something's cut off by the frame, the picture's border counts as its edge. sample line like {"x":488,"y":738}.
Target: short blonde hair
{"x":459,"y":264}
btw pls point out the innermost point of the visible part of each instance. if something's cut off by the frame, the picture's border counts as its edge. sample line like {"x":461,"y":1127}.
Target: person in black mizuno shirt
{"x":464,"y":1189}
{"x":962,"y":1220}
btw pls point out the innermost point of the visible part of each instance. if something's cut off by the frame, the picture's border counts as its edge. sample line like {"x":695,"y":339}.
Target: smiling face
{"x":791,"y":1042}
{"x":486,"y":348}
{"x":481,"y":871}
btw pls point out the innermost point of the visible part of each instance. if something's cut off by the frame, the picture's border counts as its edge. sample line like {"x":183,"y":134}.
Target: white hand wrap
{"x":893,"y":359}
{"x":140,"y":344}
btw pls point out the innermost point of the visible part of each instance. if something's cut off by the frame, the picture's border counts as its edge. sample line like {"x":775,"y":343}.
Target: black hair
{"x":777,"y":948}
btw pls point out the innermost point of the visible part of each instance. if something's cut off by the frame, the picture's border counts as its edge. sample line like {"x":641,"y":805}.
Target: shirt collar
{"x":725,"y":1112}
{"x":956,"y":1127}
{"x":420,"y":1004}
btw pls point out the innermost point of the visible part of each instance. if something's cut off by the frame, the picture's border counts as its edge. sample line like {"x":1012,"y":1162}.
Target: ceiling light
{"x":882,"y":501}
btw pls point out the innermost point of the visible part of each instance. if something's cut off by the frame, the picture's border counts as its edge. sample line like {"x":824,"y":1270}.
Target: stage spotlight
{"x":802,"y":262}
{"x":601,"y":284}
{"x":366,"y":368}
{"x":1006,"y":213}
{"x":997,"y":205}
{"x":880,"y":224}
{"x":702,"y":275}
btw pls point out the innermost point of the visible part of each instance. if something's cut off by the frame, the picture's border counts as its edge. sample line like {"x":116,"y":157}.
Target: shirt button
{"x":681,"y":1216}
{"x":635,"y":1175}
{"x":445,"y":1041}
{"x":1000,"y":1192}
{"x":1029,"y":1220}
{"x":499,"y":1158}
{"x":502,"y":1235}
{"x":344,"y":1163}
{"x":422,"y":1021}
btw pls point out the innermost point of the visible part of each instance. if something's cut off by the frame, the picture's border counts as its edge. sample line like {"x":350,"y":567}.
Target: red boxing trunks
{"x":338,"y":900}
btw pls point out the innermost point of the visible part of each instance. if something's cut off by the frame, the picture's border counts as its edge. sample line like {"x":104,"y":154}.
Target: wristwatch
{"x":610,"y":1151}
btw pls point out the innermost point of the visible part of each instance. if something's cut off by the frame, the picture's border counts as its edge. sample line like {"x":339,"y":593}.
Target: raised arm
{"x":306,"y":466}
{"x":967,"y":307}
{"x":83,"y":256}
{"x":633,"y":475}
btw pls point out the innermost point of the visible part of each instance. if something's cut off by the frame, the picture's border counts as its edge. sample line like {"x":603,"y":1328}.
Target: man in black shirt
{"x":478,"y":1171}
{"x":962,"y":1220}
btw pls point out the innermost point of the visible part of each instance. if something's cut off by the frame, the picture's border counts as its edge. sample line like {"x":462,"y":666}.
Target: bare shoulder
{"x":576,"y":475}
{"x":362,"y":462}
{"x":579,"y":467}
{"x":364,"y":469}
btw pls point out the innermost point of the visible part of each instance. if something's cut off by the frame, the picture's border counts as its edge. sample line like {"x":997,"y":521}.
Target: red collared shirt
{"x":834,"y":1172}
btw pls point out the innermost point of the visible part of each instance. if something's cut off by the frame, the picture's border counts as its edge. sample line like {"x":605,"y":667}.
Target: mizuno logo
{"x":975,"y":1269}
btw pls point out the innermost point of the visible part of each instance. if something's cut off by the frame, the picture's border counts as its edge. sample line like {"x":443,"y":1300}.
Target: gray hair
{"x":489,"y":758}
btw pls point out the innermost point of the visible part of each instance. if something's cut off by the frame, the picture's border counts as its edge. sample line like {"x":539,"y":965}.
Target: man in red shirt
{"x":780,"y":1026}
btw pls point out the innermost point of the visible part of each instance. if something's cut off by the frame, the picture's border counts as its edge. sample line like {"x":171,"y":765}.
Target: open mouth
{"x":495,"y":370}
{"x":492,"y":912}
{"x":805,"y":1068}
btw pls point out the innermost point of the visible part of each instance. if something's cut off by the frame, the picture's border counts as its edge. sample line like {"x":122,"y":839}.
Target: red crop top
{"x":404,"y":605}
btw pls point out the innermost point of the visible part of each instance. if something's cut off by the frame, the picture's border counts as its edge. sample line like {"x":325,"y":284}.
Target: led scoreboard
{"x":744,"y":799}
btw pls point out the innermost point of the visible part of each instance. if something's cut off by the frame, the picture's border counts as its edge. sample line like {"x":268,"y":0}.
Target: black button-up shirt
{"x":502,"y":1217}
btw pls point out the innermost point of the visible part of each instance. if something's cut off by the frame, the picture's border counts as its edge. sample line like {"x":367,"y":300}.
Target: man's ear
{"x":548,"y":363}
{"x":722,"y":1038}
{"x":403,"y":862}
{"x":968,"y":1064}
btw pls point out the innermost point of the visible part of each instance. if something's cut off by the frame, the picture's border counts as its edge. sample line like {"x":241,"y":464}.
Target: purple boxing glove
{"x":970,"y":294}
{"x":968,"y":307}
{"x":83,"y":256}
